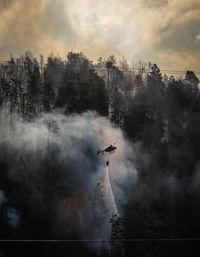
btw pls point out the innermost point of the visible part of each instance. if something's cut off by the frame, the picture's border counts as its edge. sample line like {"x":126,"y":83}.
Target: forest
{"x":54,"y":113}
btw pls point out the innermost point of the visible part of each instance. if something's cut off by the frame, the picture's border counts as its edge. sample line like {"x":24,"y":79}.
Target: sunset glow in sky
{"x":160,"y":31}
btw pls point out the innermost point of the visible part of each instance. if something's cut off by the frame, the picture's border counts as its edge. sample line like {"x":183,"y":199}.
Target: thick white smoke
{"x":71,"y":143}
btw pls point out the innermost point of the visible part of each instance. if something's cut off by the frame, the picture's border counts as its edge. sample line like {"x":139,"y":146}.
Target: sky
{"x":166,"y":32}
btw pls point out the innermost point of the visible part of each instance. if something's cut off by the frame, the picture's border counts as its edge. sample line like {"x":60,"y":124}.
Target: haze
{"x":160,"y":31}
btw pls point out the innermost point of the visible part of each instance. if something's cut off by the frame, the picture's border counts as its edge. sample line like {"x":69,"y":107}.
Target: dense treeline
{"x":160,"y":114}
{"x":31,"y":87}
{"x":164,"y":116}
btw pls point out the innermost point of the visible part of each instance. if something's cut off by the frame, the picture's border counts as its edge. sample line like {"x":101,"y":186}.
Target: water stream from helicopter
{"x":109,"y":192}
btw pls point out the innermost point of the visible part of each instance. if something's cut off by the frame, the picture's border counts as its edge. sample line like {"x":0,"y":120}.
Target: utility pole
{"x":109,"y":66}
{"x":116,"y":246}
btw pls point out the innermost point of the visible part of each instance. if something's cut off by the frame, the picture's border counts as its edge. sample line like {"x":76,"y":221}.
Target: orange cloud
{"x":144,"y":29}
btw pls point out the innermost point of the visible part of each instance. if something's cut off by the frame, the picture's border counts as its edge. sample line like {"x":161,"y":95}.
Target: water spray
{"x":115,"y":220}
{"x":108,"y":187}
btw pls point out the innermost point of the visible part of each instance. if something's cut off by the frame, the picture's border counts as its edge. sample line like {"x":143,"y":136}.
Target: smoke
{"x":56,"y":154}
{"x":146,"y":27}
{"x":12,"y":213}
{"x":2,"y":197}
{"x":14,"y":217}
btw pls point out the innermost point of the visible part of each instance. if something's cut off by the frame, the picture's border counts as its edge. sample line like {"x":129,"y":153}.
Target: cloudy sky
{"x":166,"y":32}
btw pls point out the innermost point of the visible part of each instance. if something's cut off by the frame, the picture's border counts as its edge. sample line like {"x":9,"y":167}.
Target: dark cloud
{"x":180,"y":37}
{"x":56,"y":22}
{"x":155,"y":3}
{"x":39,"y":26}
{"x":6,"y":3}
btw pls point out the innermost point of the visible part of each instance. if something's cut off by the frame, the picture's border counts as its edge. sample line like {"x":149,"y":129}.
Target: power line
{"x":142,"y":69}
{"x":175,"y":72}
{"x":166,"y":71}
{"x":96,"y":240}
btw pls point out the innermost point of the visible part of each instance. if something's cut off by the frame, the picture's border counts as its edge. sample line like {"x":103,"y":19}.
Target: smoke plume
{"x":57,"y":153}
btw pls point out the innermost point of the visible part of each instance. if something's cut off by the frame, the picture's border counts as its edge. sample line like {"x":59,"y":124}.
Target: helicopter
{"x":109,"y":149}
